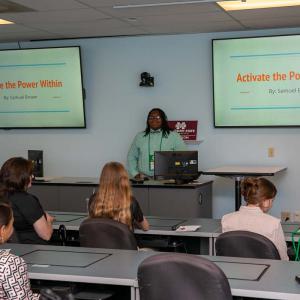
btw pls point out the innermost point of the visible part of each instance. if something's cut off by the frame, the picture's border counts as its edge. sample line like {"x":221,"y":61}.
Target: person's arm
{"x":144,"y":224}
{"x":224,"y":224}
{"x":19,"y":286}
{"x":132,"y":159}
{"x":43,"y":227}
{"x":179,"y":144}
{"x":138,"y":217}
{"x":33,"y":213}
{"x":280,"y":243}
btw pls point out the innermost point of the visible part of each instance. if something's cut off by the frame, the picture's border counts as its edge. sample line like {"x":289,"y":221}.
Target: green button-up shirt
{"x":138,"y":155}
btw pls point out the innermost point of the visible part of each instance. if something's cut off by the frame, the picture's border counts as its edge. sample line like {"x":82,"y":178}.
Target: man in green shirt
{"x":156,"y":137}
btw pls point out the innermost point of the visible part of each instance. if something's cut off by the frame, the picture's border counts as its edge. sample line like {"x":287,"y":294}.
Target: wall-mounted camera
{"x":146,"y":79}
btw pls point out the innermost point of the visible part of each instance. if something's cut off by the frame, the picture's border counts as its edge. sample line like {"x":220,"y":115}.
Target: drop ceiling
{"x":60,"y":19}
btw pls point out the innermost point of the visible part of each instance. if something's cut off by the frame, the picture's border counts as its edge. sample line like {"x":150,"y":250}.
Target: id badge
{"x":151,"y":162}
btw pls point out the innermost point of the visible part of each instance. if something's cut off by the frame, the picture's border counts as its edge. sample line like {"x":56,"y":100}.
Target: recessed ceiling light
{"x":256,"y":4}
{"x":132,"y":19}
{"x":5,"y":22}
{"x":163,"y":3}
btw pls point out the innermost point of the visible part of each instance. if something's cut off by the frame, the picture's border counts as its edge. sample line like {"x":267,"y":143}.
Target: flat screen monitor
{"x":182,"y":166}
{"x":41,"y":88}
{"x":257,"y":81}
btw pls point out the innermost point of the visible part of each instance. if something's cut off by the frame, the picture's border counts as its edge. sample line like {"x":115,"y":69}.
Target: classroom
{"x":181,"y":62}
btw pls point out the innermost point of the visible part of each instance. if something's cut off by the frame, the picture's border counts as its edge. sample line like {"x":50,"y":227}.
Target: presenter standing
{"x":156,"y":137}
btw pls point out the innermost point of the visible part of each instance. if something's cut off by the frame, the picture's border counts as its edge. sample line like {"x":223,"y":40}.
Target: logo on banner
{"x":187,"y":129}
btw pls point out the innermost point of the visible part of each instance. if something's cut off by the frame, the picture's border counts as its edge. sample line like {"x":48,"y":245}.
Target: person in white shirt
{"x":259,"y":194}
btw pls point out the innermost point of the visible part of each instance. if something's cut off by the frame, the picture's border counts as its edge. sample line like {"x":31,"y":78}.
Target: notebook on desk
{"x":188,"y":228}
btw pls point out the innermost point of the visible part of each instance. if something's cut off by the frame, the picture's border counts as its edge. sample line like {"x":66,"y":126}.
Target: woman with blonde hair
{"x":259,"y":194}
{"x":114,"y":199}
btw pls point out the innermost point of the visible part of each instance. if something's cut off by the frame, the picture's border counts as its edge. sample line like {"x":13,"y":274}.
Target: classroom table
{"x":159,"y":227}
{"x":205,"y":236}
{"x":157,"y":198}
{"x":239,"y":172}
{"x":257,"y":278}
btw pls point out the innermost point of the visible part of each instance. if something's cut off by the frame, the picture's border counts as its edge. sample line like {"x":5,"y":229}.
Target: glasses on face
{"x":154,"y":118}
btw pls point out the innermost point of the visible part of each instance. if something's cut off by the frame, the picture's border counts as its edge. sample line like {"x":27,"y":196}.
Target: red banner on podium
{"x":187,"y":129}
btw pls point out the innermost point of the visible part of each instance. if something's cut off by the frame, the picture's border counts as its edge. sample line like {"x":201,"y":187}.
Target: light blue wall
{"x":116,"y":109}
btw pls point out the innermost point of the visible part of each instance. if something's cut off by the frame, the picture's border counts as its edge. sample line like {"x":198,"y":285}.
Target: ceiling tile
{"x":66,"y":16}
{"x":44,"y":5}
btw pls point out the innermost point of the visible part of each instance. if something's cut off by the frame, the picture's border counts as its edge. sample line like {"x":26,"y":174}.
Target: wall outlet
{"x":285,"y":216}
{"x":271,"y":152}
{"x":297,"y":216}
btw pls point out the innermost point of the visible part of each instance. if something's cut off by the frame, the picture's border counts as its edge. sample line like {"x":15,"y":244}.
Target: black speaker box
{"x":36,"y":156}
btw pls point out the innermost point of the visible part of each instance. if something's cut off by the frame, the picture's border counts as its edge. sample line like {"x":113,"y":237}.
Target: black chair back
{"x":169,"y":276}
{"x":245,"y":244}
{"x":106,"y":233}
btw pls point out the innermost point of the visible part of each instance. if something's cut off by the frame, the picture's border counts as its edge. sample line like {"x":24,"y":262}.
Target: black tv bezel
{"x":213,"y":83}
{"x":178,"y":176}
{"x":82,"y":90}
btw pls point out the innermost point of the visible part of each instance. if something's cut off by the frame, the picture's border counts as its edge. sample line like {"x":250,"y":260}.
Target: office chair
{"x":245,"y":244}
{"x":106,"y":233}
{"x":180,"y":276}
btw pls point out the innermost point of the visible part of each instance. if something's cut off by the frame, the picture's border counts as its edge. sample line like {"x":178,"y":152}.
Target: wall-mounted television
{"x":41,"y":88}
{"x":256,"y":81}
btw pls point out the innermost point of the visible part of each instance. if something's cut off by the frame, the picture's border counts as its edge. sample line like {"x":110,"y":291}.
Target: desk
{"x":119,"y":268}
{"x":155,"y":198}
{"x":288,"y":228}
{"x":240,"y":172}
{"x":205,"y":236}
{"x":159,"y":226}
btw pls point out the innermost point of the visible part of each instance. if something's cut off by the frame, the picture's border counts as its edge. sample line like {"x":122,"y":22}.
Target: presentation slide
{"x":41,"y":88}
{"x":257,"y":81}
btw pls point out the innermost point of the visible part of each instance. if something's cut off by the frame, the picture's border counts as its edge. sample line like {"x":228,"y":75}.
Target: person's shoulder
{"x":9,"y":258}
{"x":29,"y":196}
{"x":230,"y":216}
{"x":175,"y":134}
{"x":140,"y":138}
{"x":133,"y":200}
{"x":140,"y":134}
{"x":20,"y":195}
{"x":272,"y":219}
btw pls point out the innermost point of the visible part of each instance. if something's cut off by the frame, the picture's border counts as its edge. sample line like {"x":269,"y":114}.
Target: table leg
{"x":238,"y":197}
{"x":136,"y":293}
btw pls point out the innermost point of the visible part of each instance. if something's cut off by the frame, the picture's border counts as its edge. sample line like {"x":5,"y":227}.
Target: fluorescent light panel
{"x":163,"y":4}
{"x":256,"y":4}
{"x":5,"y":22}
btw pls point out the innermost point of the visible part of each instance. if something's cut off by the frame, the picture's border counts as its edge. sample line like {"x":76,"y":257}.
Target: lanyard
{"x":151,"y":156}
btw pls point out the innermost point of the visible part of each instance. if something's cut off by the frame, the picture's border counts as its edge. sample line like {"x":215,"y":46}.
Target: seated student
{"x":259,"y":194}
{"x":32,"y":224}
{"x":14,"y":281}
{"x":114,"y":199}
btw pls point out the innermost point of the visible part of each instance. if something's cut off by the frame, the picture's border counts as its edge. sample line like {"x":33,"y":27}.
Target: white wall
{"x":116,"y":108}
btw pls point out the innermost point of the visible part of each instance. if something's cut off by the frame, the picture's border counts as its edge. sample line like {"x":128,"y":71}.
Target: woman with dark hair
{"x":14,"y":281}
{"x":32,"y":224}
{"x":156,"y":137}
{"x":259,"y":194}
